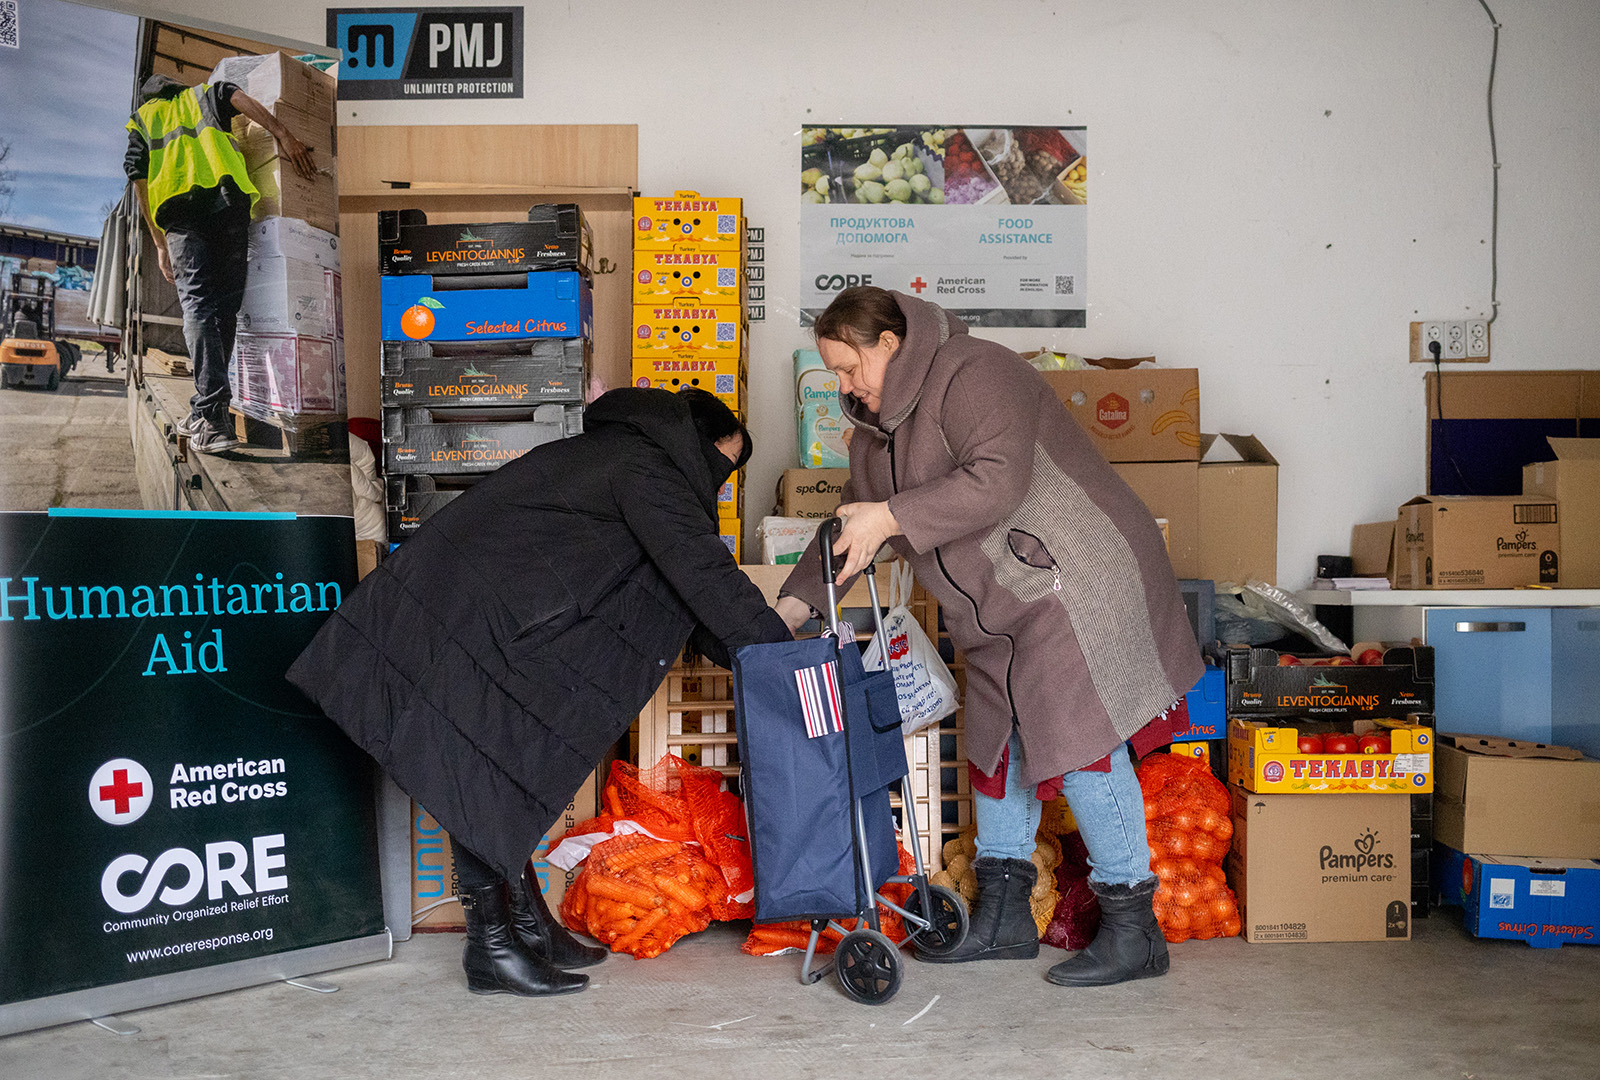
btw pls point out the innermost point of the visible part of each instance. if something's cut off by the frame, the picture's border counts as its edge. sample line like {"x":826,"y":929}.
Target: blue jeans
{"x":1109,"y":808}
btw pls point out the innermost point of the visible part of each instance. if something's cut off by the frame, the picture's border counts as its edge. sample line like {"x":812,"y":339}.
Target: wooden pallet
{"x":299,"y":437}
{"x":163,"y":363}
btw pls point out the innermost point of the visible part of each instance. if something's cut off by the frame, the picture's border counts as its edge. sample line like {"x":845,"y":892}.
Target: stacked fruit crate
{"x":690,"y":323}
{"x":487,"y":331}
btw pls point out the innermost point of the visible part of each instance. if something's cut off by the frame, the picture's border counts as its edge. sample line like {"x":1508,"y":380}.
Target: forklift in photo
{"x":29,"y":351}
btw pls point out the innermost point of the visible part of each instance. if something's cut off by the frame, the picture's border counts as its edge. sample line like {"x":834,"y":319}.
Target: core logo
{"x":1112,"y":410}
{"x":840,"y":282}
{"x":120,"y":791}
{"x":225,"y":863}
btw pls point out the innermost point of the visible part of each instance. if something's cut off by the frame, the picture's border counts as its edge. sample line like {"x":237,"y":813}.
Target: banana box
{"x":686,"y":217}
{"x":731,"y":389}
{"x":730,"y":497}
{"x":689,"y":276}
{"x":695,"y":338}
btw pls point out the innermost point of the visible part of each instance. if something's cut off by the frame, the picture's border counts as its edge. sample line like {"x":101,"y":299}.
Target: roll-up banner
{"x":175,"y":817}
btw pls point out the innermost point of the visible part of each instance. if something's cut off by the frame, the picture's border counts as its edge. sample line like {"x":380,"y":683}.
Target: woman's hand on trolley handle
{"x":867,"y":526}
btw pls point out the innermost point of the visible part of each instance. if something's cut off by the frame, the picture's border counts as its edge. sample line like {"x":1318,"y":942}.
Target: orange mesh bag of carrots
{"x":769,"y":939}
{"x":639,"y":895}
{"x":669,"y":833}
{"x":1187,"y":816}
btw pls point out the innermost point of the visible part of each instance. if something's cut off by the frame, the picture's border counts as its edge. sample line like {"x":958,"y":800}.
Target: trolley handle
{"x":827,"y":533}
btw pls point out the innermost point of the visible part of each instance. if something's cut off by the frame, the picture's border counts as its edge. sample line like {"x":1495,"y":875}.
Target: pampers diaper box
{"x":820,"y":422}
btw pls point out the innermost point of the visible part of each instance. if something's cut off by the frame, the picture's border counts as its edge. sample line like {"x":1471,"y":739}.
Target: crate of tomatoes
{"x":1321,"y":756}
{"x":1373,"y":680}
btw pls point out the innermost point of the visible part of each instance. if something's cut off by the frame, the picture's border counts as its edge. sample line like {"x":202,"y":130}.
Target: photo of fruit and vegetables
{"x":943,"y":165}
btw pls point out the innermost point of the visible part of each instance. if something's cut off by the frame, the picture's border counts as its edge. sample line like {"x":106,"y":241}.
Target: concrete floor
{"x":1441,"y":1006}
{"x":69,"y":446}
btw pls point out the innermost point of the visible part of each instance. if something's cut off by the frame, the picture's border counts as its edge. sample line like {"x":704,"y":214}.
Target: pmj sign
{"x":428,"y":52}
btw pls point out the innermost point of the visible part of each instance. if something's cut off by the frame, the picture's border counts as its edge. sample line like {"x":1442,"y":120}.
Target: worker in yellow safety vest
{"x":196,"y":195}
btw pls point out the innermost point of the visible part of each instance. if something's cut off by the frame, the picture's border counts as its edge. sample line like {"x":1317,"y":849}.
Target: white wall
{"x":1278,"y":188}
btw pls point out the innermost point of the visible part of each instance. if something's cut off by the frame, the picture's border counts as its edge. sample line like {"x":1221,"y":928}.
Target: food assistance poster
{"x":168,"y":800}
{"x":990,"y":223}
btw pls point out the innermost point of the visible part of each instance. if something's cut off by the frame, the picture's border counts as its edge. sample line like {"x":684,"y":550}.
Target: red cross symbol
{"x":918,"y":285}
{"x":120,"y":791}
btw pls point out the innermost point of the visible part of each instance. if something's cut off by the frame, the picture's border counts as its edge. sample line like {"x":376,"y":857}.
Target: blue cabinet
{"x":1519,"y":673}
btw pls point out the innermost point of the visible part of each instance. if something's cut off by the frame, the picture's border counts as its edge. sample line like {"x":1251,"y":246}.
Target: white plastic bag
{"x":922,"y":683}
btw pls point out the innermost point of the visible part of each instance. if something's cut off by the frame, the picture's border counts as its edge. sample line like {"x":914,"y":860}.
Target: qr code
{"x":727,"y":331}
{"x":727,"y":223}
{"x":1063,"y":284}
{"x":726,"y":384}
{"x":8,"y":24}
{"x":727,"y":277}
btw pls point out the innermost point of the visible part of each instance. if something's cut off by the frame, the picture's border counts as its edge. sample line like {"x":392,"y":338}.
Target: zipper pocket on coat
{"x":1029,"y":550}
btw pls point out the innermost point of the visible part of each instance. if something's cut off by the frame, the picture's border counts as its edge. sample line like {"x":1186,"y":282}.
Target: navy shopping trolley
{"x":820,"y":744}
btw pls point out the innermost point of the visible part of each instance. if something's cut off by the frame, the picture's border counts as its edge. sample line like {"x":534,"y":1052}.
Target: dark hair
{"x":859,"y":316}
{"x":714,"y":420}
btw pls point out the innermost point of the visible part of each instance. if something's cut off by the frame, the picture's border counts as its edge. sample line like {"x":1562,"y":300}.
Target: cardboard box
{"x":1502,"y":797}
{"x":676,"y":339}
{"x":1498,"y":421}
{"x":1266,"y":758}
{"x":1477,"y":542}
{"x":810,"y":493}
{"x":1320,"y":868}
{"x":555,"y":236}
{"x":732,"y":535}
{"x":456,"y":441}
{"x":284,"y":192}
{"x":369,"y":553}
{"x":1573,"y":480}
{"x":730,"y":497}
{"x":1238,"y":510}
{"x":691,"y":277}
{"x":1140,"y":414}
{"x":554,"y":304}
{"x":731,"y":388}
{"x":291,"y":238}
{"x":1259,"y":685}
{"x":1545,"y":902}
{"x":411,"y":500}
{"x":1372,"y":549}
{"x":289,"y":296}
{"x":1170,"y":490}
{"x":820,"y":425}
{"x":687,"y":218}
{"x":273,"y":79}
{"x":288,"y":373}
{"x":546,"y":369}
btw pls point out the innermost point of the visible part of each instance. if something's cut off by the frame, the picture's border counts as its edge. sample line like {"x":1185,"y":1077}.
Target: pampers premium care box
{"x":1477,"y":542}
{"x":1321,"y":867}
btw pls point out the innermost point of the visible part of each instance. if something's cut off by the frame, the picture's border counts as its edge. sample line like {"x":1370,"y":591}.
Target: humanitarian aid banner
{"x":168,"y":801}
{"x":988,"y":222}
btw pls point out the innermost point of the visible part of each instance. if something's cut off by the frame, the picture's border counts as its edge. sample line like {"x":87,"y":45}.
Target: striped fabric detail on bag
{"x":819,"y":699}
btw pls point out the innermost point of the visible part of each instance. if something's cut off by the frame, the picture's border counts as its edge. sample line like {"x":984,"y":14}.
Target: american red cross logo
{"x":120,"y":791}
{"x":918,"y":284}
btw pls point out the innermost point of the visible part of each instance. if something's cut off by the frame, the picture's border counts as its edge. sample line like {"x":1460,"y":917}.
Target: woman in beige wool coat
{"x":1055,"y":583}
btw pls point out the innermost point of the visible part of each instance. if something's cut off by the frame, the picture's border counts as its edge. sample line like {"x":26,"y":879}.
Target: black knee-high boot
{"x":496,"y":962}
{"x":541,"y":931}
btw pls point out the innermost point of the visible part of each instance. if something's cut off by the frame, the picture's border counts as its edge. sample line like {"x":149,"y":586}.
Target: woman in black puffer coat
{"x":490,"y":661}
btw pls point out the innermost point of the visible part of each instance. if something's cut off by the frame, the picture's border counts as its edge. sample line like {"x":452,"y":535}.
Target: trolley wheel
{"x":868,"y":965}
{"x":948,"y":921}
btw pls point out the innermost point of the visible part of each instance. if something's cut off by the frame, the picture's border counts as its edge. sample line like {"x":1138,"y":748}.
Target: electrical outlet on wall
{"x":1477,"y":339}
{"x":1458,"y":340}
